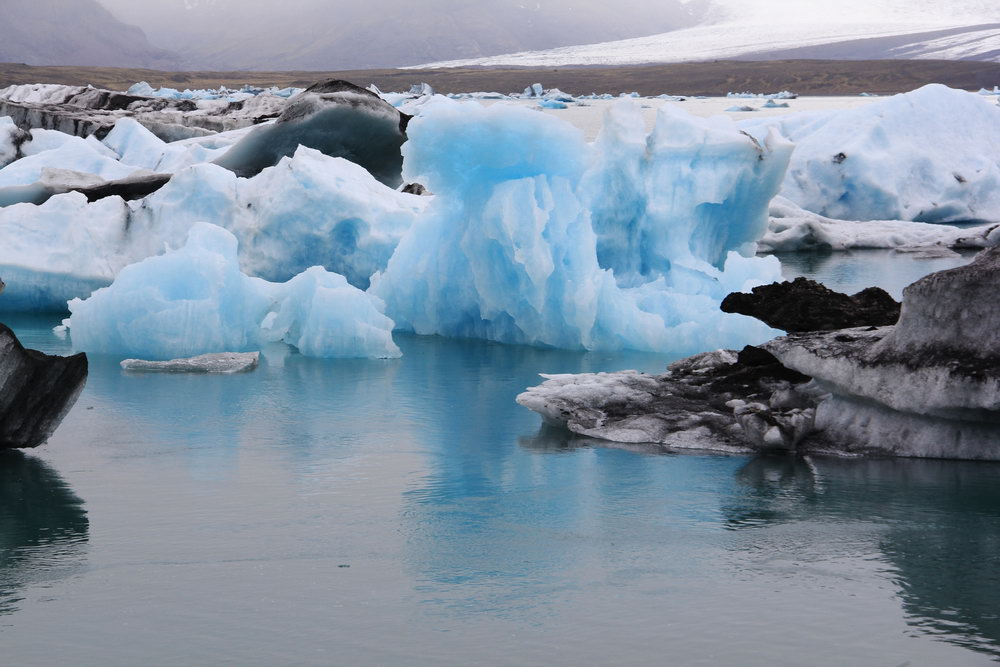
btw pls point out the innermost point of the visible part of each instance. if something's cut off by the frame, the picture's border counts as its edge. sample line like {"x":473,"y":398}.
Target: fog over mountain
{"x":788,"y":29}
{"x":347,"y":34}
{"x":341,"y":34}
{"x":73,"y":32}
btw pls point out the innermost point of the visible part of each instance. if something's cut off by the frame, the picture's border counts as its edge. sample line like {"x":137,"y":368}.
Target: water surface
{"x":409,"y":512}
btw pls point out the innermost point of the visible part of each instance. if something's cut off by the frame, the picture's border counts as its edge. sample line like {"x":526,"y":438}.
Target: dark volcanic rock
{"x":36,"y":391}
{"x":805,"y":305}
{"x":334,"y":117}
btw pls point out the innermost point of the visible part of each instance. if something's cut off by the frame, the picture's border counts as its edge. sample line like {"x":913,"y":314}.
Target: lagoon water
{"x":409,"y":512}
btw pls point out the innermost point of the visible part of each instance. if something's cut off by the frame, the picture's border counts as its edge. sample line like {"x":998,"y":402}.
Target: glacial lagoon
{"x":408,"y":511}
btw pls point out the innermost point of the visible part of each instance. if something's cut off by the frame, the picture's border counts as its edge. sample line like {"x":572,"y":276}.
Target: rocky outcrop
{"x":806,"y":305}
{"x":335,"y":117}
{"x":36,"y":391}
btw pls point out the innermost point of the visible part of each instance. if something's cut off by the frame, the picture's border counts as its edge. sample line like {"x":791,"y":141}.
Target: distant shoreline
{"x":805,"y":77}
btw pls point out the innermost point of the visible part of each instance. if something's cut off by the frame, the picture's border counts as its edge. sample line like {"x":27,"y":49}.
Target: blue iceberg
{"x":195,"y":300}
{"x":508,"y":249}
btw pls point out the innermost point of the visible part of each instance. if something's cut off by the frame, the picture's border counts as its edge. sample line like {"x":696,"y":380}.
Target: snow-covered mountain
{"x":73,"y":32}
{"x":343,"y":34}
{"x":772,"y":29}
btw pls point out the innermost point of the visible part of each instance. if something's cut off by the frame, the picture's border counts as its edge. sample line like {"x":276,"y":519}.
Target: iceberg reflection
{"x":43,"y":527}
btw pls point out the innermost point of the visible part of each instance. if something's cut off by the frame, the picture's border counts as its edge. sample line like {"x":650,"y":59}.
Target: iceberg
{"x":507,"y":250}
{"x":925,"y":156}
{"x":689,"y":193}
{"x":222,"y":362}
{"x":793,"y":229}
{"x":927,"y":387}
{"x":11,"y":139}
{"x":65,"y":248}
{"x":336,"y":117}
{"x":195,"y":301}
{"x":75,"y":154}
{"x":309,"y":210}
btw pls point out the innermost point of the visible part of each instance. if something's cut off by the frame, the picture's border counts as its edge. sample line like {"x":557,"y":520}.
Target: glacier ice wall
{"x":929,"y":156}
{"x":195,"y":300}
{"x":508,"y":250}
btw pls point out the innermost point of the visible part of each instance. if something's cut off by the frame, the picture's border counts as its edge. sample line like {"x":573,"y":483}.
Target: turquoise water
{"x":409,"y":512}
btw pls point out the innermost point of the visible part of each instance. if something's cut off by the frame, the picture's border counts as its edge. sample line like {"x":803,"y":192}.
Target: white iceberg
{"x":219,"y":362}
{"x":793,"y":229}
{"x":309,"y":210}
{"x":195,"y":301}
{"x":75,"y":154}
{"x":930,"y":155}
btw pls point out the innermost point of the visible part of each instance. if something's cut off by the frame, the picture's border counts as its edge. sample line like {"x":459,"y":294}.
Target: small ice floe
{"x":927,"y":252}
{"x":771,"y":104}
{"x":741,"y":108}
{"x":224,"y":362}
{"x":551,"y":104}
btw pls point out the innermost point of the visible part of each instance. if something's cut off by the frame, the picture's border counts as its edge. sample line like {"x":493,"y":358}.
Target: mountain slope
{"x":342,"y":34}
{"x":72,"y":32}
{"x":777,"y":29}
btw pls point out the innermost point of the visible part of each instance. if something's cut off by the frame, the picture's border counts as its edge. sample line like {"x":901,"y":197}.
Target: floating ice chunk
{"x":63,"y":249}
{"x":133,"y":144}
{"x":741,"y":108}
{"x":534,"y":90}
{"x":11,"y":139}
{"x":308,"y":210}
{"x":506,"y":250}
{"x":556,"y":95}
{"x":335,"y":117}
{"x":928,"y":386}
{"x":552,"y":104}
{"x":142,"y":89}
{"x":928,"y":155}
{"x":196,"y":301}
{"x":324,"y":316}
{"x":223,"y":362}
{"x":74,"y":154}
{"x":690,"y":193}
{"x":421,"y":89}
{"x":793,"y":229}
{"x":184,"y":303}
